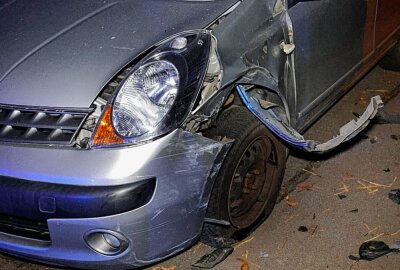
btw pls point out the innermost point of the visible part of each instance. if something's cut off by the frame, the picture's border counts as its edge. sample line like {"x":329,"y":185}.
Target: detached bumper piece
{"x":38,"y":201}
{"x":284,"y":131}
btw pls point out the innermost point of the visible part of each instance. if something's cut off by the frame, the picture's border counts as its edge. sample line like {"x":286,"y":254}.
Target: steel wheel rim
{"x":249,"y":188}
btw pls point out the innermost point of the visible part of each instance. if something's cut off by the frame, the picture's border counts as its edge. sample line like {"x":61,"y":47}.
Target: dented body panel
{"x":307,"y":52}
{"x":184,"y":166}
{"x":302,"y":56}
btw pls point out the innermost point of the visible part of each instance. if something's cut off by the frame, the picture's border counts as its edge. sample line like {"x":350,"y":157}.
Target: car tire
{"x":249,"y":180}
{"x":392,"y":60}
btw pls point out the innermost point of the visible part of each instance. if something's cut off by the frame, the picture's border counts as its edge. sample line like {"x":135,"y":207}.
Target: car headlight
{"x":157,"y":94}
{"x":145,"y":98}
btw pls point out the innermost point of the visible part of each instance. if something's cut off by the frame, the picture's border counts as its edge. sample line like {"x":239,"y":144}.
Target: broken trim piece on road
{"x":287,"y":133}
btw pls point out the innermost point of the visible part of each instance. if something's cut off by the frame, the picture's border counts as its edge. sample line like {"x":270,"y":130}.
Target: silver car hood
{"x":62,"y":53}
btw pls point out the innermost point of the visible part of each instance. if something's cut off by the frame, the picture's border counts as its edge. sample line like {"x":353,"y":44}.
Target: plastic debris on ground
{"x":396,"y":245}
{"x":211,"y":236}
{"x":394,"y":195}
{"x":372,"y":250}
{"x":210,"y":260}
{"x":280,"y":128}
{"x":373,"y":140}
{"x":264,"y":254}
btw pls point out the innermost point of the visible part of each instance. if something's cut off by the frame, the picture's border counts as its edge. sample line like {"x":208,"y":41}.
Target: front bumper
{"x":183,"y":165}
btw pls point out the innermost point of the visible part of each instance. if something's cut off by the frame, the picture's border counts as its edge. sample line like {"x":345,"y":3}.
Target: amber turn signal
{"x":105,"y":133}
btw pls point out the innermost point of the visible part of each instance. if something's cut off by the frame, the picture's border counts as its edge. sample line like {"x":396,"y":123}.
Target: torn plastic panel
{"x":255,"y":77}
{"x":284,"y":131}
{"x":394,"y":195}
{"x":210,"y":260}
{"x":261,"y":77}
{"x":211,"y":96}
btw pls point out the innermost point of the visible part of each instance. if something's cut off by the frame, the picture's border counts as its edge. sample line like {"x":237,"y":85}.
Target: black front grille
{"x":26,"y":228}
{"x":30,"y":125}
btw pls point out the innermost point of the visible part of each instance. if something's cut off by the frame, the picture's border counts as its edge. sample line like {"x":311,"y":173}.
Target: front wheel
{"x":248,"y":183}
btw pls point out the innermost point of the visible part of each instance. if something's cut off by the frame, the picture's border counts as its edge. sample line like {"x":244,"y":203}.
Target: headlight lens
{"x":145,"y":98}
{"x":158,"y":92}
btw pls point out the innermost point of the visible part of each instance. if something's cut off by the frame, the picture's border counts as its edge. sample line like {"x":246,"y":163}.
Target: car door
{"x":329,"y":45}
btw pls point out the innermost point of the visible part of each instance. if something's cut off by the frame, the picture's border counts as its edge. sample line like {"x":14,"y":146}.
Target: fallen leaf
{"x":168,"y":268}
{"x":164,"y":268}
{"x":377,"y":90}
{"x":361,"y":101}
{"x":244,"y":242}
{"x":343,"y":189}
{"x":348,"y":174}
{"x":373,"y":187}
{"x":282,"y":191}
{"x":245,"y":264}
{"x":304,"y":186}
{"x":375,"y":237}
{"x":311,"y":172}
{"x":289,"y":202}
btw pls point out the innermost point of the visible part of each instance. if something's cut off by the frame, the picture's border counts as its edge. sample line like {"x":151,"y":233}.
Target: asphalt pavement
{"x":335,"y":202}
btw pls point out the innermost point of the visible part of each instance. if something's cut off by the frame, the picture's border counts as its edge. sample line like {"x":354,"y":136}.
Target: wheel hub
{"x":250,"y":187}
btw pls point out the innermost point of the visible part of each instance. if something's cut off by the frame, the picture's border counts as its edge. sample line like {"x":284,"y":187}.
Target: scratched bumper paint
{"x":184,"y":165}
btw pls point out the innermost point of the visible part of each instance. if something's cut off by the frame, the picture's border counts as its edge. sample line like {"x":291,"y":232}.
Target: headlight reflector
{"x":145,"y":98}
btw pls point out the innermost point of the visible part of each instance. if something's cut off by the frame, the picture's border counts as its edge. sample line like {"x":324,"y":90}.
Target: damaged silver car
{"x":128,"y":129}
